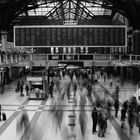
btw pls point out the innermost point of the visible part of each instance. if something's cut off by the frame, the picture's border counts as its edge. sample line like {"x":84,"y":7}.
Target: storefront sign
{"x":34,"y":78}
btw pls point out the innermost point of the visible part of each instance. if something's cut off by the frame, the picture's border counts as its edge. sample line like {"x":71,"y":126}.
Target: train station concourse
{"x":69,"y":69}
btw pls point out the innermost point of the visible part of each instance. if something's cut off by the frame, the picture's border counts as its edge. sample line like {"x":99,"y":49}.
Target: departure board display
{"x":78,"y":35}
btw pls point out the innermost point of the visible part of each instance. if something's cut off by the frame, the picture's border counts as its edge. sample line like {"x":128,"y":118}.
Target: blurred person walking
{"x":102,"y":122}
{"x":123,"y":116}
{"x":18,"y":87}
{"x":23,"y":122}
{"x":138,"y":117}
{"x":125,"y":105}
{"x":0,"y":112}
{"x":51,"y":88}
{"x":82,"y":122}
{"x":21,"y":90}
{"x":131,"y":118}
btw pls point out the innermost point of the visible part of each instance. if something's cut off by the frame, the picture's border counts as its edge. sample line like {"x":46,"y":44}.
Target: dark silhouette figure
{"x":0,"y":112}
{"x":21,"y":90}
{"x":18,"y":86}
{"x":123,"y":115}
{"x":27,"y":89}
{"x":82,"y":122}
{"x":125,"y":105}
{"x":138,"y":116}
{"x":51,"y":88}
{"x":116,"y":106}
{"x":94,"y":119}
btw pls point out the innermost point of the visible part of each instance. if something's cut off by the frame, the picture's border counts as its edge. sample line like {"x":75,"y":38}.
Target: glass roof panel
{"x":70,"y":8}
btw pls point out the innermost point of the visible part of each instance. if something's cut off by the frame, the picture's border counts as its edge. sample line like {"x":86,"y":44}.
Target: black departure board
{"x":82,"y":35}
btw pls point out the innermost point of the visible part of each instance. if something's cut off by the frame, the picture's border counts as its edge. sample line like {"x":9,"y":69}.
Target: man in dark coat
{"x":27,"y":89}
{"x":116,"y":106}
{"x":123,"y":115}
{"x":51,"y":88}
{"x":94,"y":119}
{"x":125,"y":105}
{"x":0,"y":112}
{"x":21,"y":90}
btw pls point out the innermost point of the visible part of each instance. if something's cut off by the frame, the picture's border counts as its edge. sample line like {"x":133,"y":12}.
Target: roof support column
{"x":0,"y":58}
{"x":3,"y":41}
{"x":12,"y":61}
{"x":136,"y":41}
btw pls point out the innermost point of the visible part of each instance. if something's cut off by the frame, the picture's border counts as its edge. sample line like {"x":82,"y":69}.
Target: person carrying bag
{"x":2,"y":114}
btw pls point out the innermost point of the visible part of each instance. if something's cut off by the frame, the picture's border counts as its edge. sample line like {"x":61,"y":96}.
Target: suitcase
{"x":4,"y":116}
{"x":43,"y":95}
{"x":0,"y":116}
{"x":16,"y":90}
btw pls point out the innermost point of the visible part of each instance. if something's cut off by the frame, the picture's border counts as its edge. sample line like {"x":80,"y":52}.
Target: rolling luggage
{"x":16,"y":90}
{"x":0,"y":116}
{"x":4,"y":116}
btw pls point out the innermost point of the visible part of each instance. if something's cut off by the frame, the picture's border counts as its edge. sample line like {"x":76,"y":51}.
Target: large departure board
{"x":78,"y":35}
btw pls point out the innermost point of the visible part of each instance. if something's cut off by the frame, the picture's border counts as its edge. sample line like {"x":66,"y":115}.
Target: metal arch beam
{"x":89,"y":12}
{"x":128,"y":9}
{"x":62,"y":10}
{"x":81,"y":15}
{"x":59,"y":10}
{"x":69,"y":3}
{"x":10,"y":19}
{"x":54,"y":9}
{"x":77,"y":10}
{"x":9,"y":11}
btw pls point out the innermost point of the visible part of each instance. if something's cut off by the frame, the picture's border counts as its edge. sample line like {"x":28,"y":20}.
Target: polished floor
{"x":64,"y":124}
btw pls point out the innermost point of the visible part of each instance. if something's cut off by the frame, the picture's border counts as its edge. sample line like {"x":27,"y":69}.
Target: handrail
{"x":16,"y":58}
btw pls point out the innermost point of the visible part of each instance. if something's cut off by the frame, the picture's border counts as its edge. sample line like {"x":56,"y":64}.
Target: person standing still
{"x":21,"y":90}
{"x":116,"y":106}
{"x":0,"y":113}
{"x":138,"y":116}
{"x":27,"y":89}
{"x":51,"y":88}
{"x":94,"y":119}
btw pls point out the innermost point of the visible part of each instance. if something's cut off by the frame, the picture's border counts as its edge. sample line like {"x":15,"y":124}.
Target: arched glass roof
{"x":68,"y":9}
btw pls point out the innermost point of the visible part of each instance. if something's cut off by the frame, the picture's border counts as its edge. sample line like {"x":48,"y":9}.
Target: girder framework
{"x":67,"y":10}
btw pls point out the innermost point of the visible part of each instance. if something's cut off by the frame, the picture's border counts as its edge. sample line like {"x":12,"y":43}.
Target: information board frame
{"x":73,"y":26}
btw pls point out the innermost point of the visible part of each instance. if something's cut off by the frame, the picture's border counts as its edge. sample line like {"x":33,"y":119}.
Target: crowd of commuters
{"x":130,"y":111}
{"x":81,"y":85}
{"x":20,"y":87}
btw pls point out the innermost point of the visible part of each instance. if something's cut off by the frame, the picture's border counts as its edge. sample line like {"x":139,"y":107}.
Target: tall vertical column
{"x":92,"y":71}
{"x":136,"y":42}
{"x":47,"y":78}
{"x":16,"y":58}
{"x":0,"y":58}
{"x":3,"y":40}
{"x":6,"y":59}
{"x":12,"y":61}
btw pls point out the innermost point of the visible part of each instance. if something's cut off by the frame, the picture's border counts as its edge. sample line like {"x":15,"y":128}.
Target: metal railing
{"x":17,"y":58}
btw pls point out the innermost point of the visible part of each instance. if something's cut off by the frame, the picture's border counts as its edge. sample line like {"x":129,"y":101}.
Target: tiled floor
{"x":44,"y":123}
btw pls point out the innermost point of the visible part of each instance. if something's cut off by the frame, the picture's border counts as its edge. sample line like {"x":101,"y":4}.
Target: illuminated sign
{"x":70,"y":57}
{"x":55,"y":57}
{"x":70,"y":22}
{"x":34,"y":79}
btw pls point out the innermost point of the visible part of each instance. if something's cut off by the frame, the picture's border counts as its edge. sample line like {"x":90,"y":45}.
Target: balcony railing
{"x":18,"y":58}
